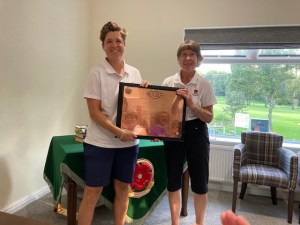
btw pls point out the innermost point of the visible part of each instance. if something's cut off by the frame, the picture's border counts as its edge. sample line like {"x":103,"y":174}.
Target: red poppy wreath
{"x":143,"y":179}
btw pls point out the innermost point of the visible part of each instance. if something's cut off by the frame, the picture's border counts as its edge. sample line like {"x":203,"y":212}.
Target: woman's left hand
{"x":145,"y":83}
{"x":184,"y":93}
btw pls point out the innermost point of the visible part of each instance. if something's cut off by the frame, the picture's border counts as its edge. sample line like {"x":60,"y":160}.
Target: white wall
{"x":44,"y":57}
{"x":46,"y":48}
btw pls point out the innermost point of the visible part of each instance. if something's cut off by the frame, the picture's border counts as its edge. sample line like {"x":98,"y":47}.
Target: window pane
{"x":279,"y":53}
{"x":224,"y":53}
{"x":255,"y":96}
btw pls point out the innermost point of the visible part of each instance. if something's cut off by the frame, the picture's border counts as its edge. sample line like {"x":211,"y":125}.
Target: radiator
{"x":220,"y":163}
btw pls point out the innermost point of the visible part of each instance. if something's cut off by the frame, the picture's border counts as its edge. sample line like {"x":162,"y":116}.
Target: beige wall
{"x":46,"y":48}
{"x":43,"y":63}
{"x":156,"y":27}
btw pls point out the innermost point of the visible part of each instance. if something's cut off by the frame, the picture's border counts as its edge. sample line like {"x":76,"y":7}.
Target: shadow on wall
{"x":5,"y":183}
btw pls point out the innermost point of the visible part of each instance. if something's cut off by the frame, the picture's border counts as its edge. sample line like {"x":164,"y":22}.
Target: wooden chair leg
{"x":243,"y":190}
{"x":185,"y":192}
{"x":290,"y":206}
{"x":274,"y":195}
{"x":234,"y":194}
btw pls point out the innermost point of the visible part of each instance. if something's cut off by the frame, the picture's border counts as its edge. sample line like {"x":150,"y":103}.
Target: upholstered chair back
{"x":261,"y":148}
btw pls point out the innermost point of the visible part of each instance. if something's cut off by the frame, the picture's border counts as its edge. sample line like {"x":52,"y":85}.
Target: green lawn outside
{"x":285,"y":120}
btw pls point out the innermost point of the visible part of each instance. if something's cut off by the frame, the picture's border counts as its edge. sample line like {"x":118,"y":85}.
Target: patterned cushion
{"x":262,"y":148}
{"x":298,"y":177}
{"x":264,"y":175}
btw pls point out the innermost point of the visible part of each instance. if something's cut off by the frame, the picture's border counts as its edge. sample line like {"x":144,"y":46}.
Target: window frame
{"x":253,"y":39}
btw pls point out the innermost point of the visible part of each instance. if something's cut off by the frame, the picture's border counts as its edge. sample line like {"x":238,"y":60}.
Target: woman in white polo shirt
{"x":110,"y":153}
{"x":200,"y":98}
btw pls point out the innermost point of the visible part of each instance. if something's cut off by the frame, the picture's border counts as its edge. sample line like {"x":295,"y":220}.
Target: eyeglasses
{"x":185,"y":55}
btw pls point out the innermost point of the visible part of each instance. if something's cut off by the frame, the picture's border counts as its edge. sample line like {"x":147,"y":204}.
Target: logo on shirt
{"x":195,"y":92}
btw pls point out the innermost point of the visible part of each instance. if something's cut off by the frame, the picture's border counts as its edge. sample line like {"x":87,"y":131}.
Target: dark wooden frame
{"x":151,"y":101}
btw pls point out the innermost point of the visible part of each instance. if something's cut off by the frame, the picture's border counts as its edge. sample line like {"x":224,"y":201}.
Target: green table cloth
{"x":65,"y":159}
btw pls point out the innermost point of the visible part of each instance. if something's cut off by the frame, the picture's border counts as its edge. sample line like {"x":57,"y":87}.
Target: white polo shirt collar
{"x":178,"y":83}
{"x":110,"y":70}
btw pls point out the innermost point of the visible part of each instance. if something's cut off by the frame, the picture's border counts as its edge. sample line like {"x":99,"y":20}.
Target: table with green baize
{"x":64,"y":168}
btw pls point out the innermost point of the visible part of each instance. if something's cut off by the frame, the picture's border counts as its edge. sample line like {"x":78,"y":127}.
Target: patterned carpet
{"x":257,"y":209}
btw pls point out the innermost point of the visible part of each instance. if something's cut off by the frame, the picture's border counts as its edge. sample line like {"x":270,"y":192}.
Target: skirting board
{"x":23,"y":202}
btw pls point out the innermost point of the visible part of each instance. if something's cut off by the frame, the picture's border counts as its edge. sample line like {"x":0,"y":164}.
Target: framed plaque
{"x":153,"y":112}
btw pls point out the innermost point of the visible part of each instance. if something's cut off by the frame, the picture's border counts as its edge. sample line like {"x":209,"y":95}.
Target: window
{"x":256,"y":81}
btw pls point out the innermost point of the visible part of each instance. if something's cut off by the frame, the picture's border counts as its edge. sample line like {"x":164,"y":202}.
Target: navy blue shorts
{"x":195,"y":149}
{"x":104,"y":164}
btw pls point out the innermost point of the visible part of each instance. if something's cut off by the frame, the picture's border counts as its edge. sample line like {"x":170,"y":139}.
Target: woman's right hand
{"x":155,"y":140}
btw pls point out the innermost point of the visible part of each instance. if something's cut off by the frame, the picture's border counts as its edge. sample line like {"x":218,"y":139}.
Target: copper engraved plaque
{"x":153,"y":112}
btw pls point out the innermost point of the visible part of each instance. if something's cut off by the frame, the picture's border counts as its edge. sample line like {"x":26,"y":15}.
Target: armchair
{"x":298,"y":181}
{"x":261,"y":159}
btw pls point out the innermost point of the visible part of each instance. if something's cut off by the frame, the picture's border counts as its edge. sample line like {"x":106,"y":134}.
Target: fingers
{"x":241,"y":221}
{"x":229,"y":218}
{"x":184,"y":93}
{"x":145,"y":83}
{"x":128,"y":136}
{"x":155,"y":140}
